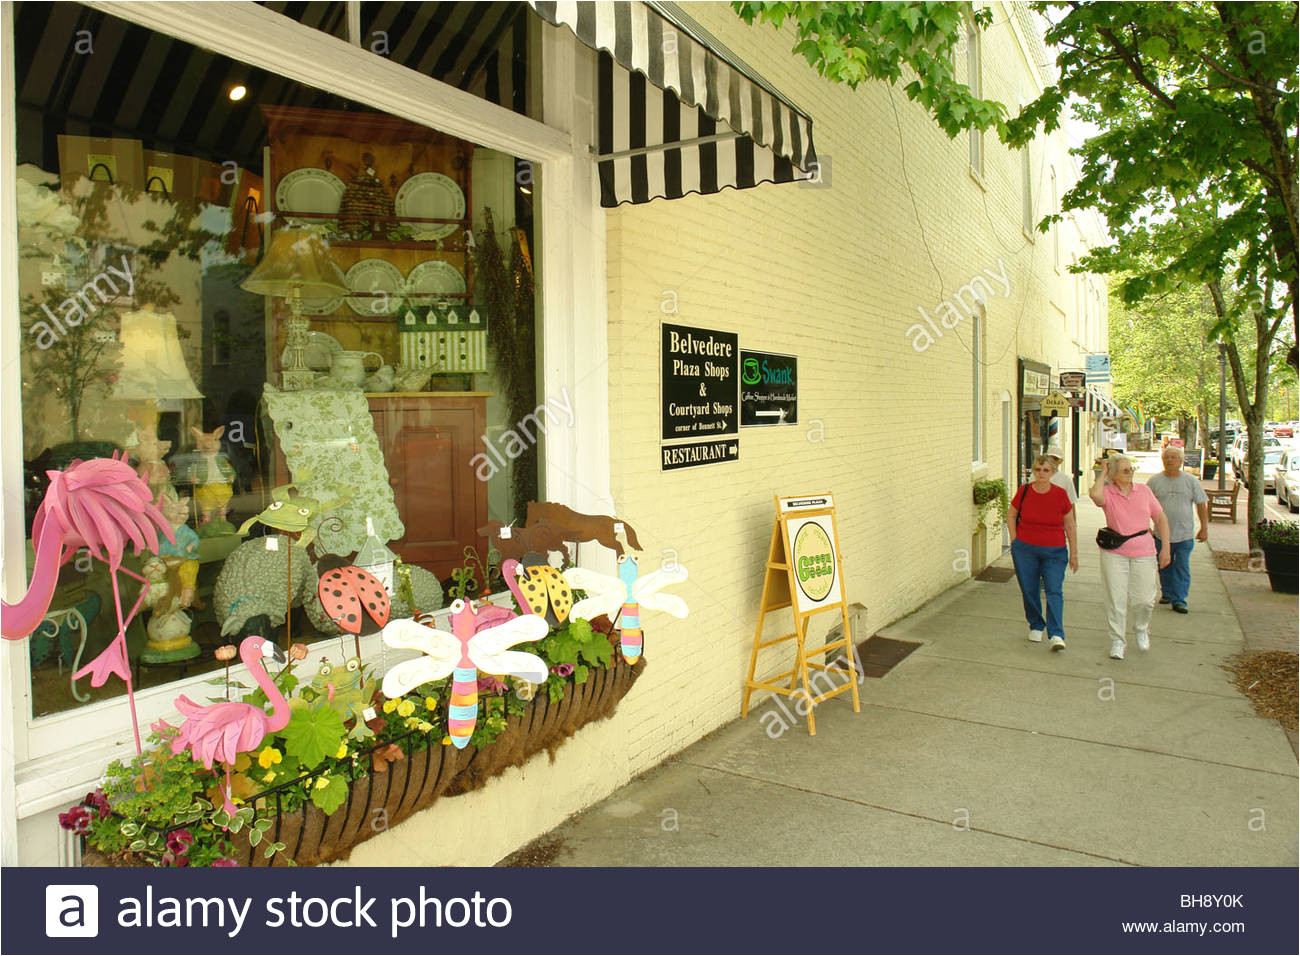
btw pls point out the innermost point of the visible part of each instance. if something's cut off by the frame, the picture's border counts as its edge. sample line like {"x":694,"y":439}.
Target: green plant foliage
{"x":852,"y":43}
{"x":1285,"y":533}
{"x":987,"y":494}
{"x":314,"y":734}
{"x":329,"y":792}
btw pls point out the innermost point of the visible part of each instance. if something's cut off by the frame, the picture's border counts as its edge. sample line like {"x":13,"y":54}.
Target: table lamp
{"x":298,"y":263}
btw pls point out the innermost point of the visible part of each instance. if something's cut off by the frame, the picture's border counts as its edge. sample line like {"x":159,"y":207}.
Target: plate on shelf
{"x":375,"y":276}
{"x":428,"y":282}
{"x":430,"y":196}
{"x":320,"y":349}
{"x":310,"y":190}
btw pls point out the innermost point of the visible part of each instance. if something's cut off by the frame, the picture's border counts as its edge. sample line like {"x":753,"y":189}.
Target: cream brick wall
{"x":834,"y":275}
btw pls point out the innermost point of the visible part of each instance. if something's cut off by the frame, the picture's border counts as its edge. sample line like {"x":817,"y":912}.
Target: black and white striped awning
{"x":678,"y":112}
{"x":1099,"y":404}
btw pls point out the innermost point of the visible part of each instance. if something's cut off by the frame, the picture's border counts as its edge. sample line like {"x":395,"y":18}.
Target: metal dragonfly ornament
{"x":478,"y":641}
{"x":625,"y":596}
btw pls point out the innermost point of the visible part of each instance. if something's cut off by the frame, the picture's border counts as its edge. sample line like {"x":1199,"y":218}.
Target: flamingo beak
{"x":277,"y":654}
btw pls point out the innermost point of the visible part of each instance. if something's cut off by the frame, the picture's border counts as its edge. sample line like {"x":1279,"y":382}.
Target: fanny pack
{"x":1110,"y":539}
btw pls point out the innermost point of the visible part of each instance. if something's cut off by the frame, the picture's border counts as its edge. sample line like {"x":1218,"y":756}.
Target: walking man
{"x":1060,"y":478}
{"x":1179,"y":495}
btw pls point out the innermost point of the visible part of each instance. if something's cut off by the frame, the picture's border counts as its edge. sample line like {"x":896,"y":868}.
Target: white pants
{"x":1130,"y":585}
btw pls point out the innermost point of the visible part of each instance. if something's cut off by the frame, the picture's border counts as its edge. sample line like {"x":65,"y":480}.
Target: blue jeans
{"x":1177,"y":578}
{"x":1041,"y":569}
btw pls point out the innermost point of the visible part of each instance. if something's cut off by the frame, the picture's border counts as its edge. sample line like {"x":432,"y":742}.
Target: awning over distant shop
{"x":678,"y":112}
{"x":1099,"y":404}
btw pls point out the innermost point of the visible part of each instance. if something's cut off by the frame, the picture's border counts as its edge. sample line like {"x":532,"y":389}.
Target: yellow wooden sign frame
{"x":779,"y":588}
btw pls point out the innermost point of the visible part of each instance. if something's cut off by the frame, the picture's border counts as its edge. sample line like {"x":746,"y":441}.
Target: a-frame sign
{"x":804,"y":573}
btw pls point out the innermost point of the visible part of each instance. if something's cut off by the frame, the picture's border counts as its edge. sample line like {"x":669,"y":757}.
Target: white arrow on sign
{"x":778,"y":414}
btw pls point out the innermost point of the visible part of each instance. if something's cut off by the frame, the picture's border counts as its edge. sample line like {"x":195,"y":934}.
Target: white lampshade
{"x":153,"y":365}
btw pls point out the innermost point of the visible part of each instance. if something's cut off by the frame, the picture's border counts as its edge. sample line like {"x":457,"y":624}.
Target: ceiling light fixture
{"x":238,"y":92}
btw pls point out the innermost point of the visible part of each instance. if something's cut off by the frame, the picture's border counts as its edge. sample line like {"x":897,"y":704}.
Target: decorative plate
{"x":310,"y":190}
{"x":375,"y":276}
{"x":320,"y":349}
{"x":430,"y":196}
{"x":428,"y":282}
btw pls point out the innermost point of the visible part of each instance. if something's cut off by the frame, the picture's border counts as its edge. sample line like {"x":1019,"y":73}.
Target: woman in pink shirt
{"x":1129,"y":572}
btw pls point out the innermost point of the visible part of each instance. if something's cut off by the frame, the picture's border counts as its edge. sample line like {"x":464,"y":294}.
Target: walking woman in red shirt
{"x":1041,"y":521}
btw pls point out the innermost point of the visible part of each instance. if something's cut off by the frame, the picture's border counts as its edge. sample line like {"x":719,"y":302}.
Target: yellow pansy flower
{"x":390,"y":706}
{"x":406,"y":708}
{"x":446,"y":741}
{"x":322,"y":783}
{"x":424,"y":726}
{"x":269,"y":756}
{"x":268,"y":776}
{"x":431,"y":702}
{"x":342,"y":751}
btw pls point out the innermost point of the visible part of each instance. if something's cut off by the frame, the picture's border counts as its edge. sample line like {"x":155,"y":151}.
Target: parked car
{"x":1237,"y":454}
{"x":1286,"y":479}
{"x":1283,"y":430}
{"x":1272,"y":456}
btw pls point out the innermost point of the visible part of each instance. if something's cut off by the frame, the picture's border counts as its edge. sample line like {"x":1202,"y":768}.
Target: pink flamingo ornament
{"x":101,"y":505}
{"x":224,"y":730}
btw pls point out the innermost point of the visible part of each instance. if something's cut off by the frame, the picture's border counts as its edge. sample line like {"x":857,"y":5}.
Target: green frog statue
{"x":340,"y":689}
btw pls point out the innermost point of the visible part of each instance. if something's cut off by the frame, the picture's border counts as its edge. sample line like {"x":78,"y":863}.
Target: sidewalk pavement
{"x":980,"y":749}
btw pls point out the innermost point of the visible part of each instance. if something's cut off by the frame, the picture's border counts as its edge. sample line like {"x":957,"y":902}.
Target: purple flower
{"x":178,"y":841}
{"x":562,"y":670}
{"x":97,"y":801}
{"x":77,"y":819}
{"x":491,"y":685}
{"x":171,"y":859}
{"x":224,"y":861}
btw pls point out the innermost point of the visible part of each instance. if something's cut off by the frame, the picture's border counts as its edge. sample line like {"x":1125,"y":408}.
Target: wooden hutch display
{"x":428,"y":438}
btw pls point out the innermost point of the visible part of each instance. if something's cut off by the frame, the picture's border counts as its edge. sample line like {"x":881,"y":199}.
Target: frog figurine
{"x":339,"y":688}
{"x":292,"y":514}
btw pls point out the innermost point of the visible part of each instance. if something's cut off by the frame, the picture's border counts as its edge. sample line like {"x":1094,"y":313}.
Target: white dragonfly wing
{"x":404,"y":677}
{"x":665,"y":602}
{"x":648,"y":584}
{"x":520,"y":664}
{"x":604,"y":593}
{"x":440,"y":650}
{"x":493,"y":640}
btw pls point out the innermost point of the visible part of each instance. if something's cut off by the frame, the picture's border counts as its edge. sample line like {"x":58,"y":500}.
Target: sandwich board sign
{"x":804,"y":572}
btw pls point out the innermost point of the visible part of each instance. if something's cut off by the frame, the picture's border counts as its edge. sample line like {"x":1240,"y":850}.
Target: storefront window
{"x":244,"y":284}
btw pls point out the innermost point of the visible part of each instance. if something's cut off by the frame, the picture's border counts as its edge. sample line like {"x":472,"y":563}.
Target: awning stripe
{"x":1099,"y":404}
{"x":665,"y":53}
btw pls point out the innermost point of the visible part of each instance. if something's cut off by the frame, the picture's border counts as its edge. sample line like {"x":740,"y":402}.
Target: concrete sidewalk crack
{"x":915,"y":816}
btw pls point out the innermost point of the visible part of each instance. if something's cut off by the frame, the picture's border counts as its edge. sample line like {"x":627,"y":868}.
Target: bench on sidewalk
{"x":1223,"y":504}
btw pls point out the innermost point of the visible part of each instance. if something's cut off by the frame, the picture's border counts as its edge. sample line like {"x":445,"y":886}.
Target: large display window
{"x":267,"y":298}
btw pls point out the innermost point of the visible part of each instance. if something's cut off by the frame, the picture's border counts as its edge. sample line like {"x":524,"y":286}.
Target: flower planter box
{"x":1281,"y":562}
{"x":378,"y":801}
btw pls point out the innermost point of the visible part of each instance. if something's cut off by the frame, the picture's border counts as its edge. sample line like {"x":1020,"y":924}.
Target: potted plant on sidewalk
{"x":1209,"y":468}
{"x":1279,"y":541}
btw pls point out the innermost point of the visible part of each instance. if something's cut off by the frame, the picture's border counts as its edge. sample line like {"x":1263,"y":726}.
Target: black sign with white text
{"x":769,"y":388}
{"x":699,"y":374}
{"x":699,"y":453}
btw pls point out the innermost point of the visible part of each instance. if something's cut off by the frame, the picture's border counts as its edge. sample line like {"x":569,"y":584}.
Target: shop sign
{"x":769,"y":389}
{"x":1073,"y":380}
{"x":698,"y":453}
{"x":1193,"y":459}
{"x":699,"y":378}
{"x":1098,"y":367}
{"x":1034,"y":384}
{"x":1056,"y":404}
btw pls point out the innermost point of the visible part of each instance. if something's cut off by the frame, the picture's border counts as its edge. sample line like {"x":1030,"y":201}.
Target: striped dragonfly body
{"x":479,"y":642}
{"x":624,"y":598}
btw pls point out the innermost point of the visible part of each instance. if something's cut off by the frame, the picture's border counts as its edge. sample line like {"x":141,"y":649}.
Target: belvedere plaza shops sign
{"x":699,"y":375}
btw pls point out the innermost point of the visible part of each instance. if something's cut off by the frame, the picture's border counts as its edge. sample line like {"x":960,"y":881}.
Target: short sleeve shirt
{"x":1178,"y":496}
{"x":1062,"y":480}
{"x":1042,"y":515}
{"x":1131,"y":514}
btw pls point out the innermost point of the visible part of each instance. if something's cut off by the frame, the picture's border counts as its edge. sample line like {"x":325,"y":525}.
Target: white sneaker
{"x":1144,"y":640}
{"x":1057,"y":643}
{"x":1117,"y":649}
{"x":1036,"y":637}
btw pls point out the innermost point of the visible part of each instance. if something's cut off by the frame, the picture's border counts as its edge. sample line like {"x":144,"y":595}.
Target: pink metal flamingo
{"x":223,"y":731}
{"x":101,"y":505}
